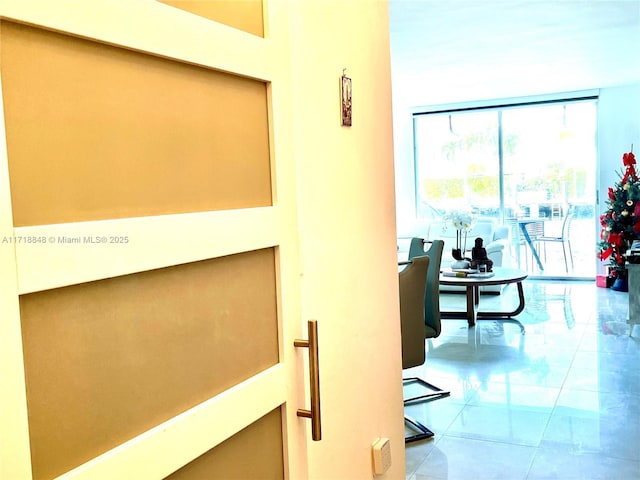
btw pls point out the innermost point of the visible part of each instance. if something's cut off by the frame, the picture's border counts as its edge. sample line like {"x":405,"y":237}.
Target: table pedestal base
{"x":472,"y":314}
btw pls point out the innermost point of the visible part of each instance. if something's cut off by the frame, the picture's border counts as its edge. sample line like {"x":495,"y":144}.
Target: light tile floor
{"x":560,"y":402}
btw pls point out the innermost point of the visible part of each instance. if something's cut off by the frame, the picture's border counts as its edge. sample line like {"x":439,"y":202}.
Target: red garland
{"x":606,"y":254}
{"x":615,"y":239}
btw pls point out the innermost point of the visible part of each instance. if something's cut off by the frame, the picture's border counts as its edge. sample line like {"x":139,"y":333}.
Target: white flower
{"x":460,"y":220}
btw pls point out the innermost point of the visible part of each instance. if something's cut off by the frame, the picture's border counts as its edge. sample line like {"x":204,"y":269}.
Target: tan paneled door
{"x":149,"y":255}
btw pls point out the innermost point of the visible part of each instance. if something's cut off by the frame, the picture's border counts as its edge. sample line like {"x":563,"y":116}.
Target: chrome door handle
{"x":314,"y":380}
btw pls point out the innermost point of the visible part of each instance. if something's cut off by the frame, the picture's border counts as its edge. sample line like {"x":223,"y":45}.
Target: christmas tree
{"x":621,"y":223}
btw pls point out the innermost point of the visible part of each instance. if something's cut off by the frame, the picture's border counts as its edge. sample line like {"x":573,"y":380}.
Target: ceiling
{"x":449,"y":51}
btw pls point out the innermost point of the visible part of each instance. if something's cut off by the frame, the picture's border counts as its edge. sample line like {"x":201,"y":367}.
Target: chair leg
{"x":540,"y":247}
{"x":435,"y":393}
{"x":427,"y":397}
{"x":570,"y":253}
{"x":423,"y":434}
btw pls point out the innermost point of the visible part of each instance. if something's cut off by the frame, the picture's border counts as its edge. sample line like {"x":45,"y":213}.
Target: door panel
{"x":263,"y":439}
{"x":117,"y":133}
{"x":245,"y":15}
{"x":110,"y":359}
{"x":128,"y":313}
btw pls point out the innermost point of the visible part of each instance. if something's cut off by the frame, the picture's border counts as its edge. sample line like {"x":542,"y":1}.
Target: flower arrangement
{"x":621,"y":223}
{"x":463,"y":222}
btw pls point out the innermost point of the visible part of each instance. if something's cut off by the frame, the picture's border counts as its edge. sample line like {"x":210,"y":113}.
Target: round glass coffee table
{"x":501,"y":276}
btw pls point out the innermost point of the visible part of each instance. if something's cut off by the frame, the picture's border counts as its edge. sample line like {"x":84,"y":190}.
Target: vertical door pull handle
{"x":314,"y":380}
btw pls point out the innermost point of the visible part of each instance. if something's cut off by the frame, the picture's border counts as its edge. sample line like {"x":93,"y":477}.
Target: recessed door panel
{"x":245,"y":15}
{"x":253,"y":453}
{"x":97,"y":132}
{"x":107,"y":360}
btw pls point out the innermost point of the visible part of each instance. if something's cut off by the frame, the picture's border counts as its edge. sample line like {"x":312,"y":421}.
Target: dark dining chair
{"x":433,"y":249}
{"x":420,"y":319}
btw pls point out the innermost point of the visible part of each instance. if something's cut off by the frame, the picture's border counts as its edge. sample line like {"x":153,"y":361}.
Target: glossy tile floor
{"x":561,"y":401}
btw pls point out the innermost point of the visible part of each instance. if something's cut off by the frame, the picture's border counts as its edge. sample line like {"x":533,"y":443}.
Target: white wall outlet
{"x":381,"y":450}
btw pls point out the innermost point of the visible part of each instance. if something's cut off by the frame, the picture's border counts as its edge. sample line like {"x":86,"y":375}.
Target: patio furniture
{"x":564,"y":238}
{"x":531,"y":229}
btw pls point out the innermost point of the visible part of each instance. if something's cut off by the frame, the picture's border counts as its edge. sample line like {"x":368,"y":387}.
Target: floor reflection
{"x":560,"y":402}
{"x":479,"y":354}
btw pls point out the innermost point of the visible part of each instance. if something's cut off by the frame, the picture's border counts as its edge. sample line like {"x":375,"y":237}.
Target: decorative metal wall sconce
{"x":345,"y":95}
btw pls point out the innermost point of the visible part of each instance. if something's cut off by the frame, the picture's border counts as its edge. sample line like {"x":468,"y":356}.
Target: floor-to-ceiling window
{"x":531,"y":165}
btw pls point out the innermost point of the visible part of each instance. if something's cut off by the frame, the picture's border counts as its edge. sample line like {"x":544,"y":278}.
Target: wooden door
{"x":149,"y":258}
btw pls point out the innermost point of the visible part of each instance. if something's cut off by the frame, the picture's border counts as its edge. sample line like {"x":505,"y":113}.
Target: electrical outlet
{"x":381,"y":450}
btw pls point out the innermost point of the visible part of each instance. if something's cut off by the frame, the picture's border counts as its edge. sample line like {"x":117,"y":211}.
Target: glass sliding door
{"x":457,"y":162}
{"x":530,"y":166}
{"x":549,"y":171}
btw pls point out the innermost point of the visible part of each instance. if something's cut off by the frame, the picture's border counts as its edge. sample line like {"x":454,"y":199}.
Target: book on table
{"x":481,"y":275}
{"x":466,"y":272}
{"x":454,"y":273}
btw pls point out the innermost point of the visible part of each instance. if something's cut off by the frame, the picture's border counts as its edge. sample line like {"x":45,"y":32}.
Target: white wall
{"x":347,"y":222}
{"x":403,"y":155}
